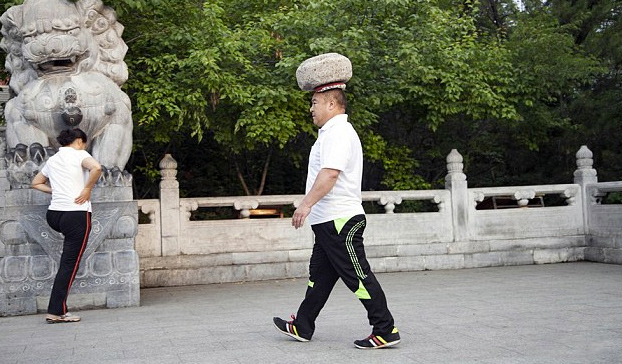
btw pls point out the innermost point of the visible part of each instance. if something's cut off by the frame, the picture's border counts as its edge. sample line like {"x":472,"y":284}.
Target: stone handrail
{"x":175,"y":250}
{"x":151,"y":208}
{"x":244,"y":204}
{"x":522,"y":194}
{"x":241,"y":203}
{"x":595,"y":192}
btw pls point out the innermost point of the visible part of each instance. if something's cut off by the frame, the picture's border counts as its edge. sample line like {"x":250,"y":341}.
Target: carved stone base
{"x":109,"y":269}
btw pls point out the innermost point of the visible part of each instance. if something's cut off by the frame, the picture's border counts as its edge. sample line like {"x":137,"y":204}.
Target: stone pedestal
{"x":108,"y":274}
{"x":456,"y":183}
{"x":84,"y":92}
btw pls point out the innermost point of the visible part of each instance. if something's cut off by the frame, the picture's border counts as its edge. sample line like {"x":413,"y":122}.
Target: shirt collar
{"x":334,"y":121}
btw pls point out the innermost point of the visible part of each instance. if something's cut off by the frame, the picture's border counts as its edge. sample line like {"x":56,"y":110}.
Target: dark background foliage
{"x":515,"y":87}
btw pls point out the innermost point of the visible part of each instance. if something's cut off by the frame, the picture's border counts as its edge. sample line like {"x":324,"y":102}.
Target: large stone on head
{"x":324,"y":72}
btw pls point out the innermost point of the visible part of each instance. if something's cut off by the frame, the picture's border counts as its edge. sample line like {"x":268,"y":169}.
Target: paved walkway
{"x":560,"y":313}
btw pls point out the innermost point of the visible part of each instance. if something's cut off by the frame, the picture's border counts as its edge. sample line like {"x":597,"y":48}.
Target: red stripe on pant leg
{"x":75,"y":268}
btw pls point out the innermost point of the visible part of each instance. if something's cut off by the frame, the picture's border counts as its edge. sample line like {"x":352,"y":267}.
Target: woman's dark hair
{"x":68,"y":136}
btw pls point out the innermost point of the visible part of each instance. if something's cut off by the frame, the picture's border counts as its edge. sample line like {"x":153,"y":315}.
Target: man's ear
{"x":332,"y":104}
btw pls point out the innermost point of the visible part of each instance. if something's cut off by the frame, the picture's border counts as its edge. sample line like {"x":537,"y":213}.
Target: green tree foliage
{"x":516,"y":91}
{"x":563,"y":60}
{"x":597,"y":108}
{"x":547,"y":70}
{"x":195,"y":71}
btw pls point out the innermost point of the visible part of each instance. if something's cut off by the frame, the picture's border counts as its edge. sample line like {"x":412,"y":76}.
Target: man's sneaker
{"x":52,"y":319}
{"x":378,"y":341}
{"x":288,"y":328}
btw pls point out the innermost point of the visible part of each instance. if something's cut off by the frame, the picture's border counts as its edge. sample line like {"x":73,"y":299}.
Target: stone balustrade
{"x":176,"y":249}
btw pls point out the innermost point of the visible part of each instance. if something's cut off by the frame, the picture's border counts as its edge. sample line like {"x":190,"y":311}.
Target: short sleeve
{"x":83,"y":155}
{"x":336,"y":151}
{"x":45,"y":171}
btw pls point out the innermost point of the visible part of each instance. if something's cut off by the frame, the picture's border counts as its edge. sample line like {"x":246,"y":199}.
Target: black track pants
{"x":339,"y":252}
{"x":75,"y":226}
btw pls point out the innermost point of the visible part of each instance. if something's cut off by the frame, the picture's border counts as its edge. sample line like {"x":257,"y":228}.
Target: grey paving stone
{"x":538,"y":314}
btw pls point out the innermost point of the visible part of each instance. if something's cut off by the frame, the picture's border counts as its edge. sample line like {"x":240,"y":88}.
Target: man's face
{"x":321,"y":109}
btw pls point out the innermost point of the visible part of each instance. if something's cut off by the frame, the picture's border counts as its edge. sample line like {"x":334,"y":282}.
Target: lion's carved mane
{"x":66,"y":64}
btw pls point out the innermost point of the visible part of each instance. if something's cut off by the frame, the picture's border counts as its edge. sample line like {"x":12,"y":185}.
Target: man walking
{"x":332,"y":206}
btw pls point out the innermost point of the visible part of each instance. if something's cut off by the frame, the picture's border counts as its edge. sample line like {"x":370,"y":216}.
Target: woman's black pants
{"x":75,"y":226}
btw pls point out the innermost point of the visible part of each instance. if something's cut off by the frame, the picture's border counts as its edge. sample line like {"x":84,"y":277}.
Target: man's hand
{"x":301,"y":213}
{"x":324,"y":182}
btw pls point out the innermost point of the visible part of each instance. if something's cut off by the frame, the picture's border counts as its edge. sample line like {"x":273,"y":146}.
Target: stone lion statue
{"x":66,"y":64}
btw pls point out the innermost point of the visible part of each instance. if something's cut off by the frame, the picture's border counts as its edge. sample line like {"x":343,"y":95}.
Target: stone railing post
{"x":583,"y":176}
{"x":169,"y":206}
{"x":389,"y":202}
{"x":456,"y":183}
{"x":4,"y":182}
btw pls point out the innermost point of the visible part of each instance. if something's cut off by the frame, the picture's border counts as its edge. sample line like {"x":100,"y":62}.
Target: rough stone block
{"x":112,"y":194}
{"x":378,"y":265}
{"x":125,"y":261}
{"x":220,"y":274}
{"x":265,"y":271}
{"x":15,"y":269}
{"x":27,"y":196}
{"x":83,"y":268}
{"x":18,"y":249}
{"x":413,"y":250}
{"x":537,"y":243}
{"x":299,"y":255}
{"x":323,"y":69}
{"x":42,"y":267}
{"x":43,"y":302}
{"x":259,"y":257}
{"x":391,"y":264}
{"x":579,"y":254}
{"x":128,"y":297}
{"x":434,"y":262}
{"x":109,"y":245}
{"x":14,"y":304}
{"x":613,"y":256}
{"x":12,"y":233}
{"x":517,"y":257}
{"x":297,"y":269}
{"x":193,"y":261}
{"x":379,"y":251}
{"x":468,"y":247}
{"x":35,"y":249}
{"x":593,"y":254}
{"x":187,"y":276}
{"x":542,"y":256}
{"x":602,"y":241}
{"x":410,"y":263}
{"x":101,"y":264}
{"x":76,"y":301}
{"x":125,"y":227}
{"x":480,"y":260}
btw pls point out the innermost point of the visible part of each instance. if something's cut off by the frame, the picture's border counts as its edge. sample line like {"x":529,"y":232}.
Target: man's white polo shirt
{"x":337,"y":147}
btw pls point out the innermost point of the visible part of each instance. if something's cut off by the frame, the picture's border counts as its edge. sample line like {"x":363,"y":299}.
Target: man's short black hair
{"x":68,"y":136}
{"x":338,"y":95}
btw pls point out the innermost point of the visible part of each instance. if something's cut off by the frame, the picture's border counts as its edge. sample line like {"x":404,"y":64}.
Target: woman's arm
{"x":95,"y":171}
{"x":40,"y":183}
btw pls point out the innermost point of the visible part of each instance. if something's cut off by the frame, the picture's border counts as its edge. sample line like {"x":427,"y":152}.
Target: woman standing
{"x":72,"y":173}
